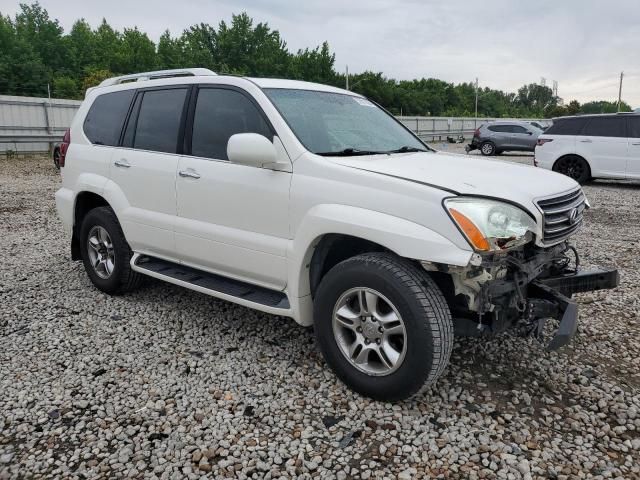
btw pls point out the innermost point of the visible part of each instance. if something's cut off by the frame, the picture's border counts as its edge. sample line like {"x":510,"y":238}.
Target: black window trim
{"x":133,"y":116}
{"x":191,"y":111}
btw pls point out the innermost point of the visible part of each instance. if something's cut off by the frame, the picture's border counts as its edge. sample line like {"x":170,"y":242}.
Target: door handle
{"x":637,"y":143}
{"x":189,"y":172}
{"x":586,"y":140}
{"x":122,"y":163}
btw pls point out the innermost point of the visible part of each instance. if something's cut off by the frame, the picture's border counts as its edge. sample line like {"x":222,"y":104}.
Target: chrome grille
{"x":562,"y":215}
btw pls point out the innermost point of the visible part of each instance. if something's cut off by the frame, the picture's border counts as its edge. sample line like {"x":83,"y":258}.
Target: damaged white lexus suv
{"x":312,"y":202}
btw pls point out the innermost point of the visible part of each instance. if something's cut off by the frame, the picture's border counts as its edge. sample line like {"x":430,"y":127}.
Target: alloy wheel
{"x":101,"y":252}
{"x":369,"y":331}
{"x":572,"y":167}
{"x":487,"y":149}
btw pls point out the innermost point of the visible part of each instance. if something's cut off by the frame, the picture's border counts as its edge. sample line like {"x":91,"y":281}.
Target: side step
{"x":265,"y":299}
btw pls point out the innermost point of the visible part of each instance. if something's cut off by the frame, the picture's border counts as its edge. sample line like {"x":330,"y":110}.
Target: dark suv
{"x":496,"y":137}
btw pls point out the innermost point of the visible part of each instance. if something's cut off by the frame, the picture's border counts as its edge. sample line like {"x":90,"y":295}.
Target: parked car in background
{"x":592,"y":146}
{"x":496,"y":137}
{"x":539,"y":125}
{"x":56,"y":155}
{"x":308,"y":201}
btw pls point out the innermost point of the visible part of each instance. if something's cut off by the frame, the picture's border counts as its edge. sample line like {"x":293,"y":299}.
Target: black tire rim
{"x":572,"y":167}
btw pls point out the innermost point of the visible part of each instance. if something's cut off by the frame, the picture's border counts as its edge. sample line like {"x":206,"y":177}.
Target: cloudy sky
{"x":583,"y":44}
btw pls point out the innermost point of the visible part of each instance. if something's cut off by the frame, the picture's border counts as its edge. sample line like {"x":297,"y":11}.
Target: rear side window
{"x":634,"y":126}
{"x":566,"y":126}
{"x":500,"y":128}
{"x":103,"y":123}
{"x":605,"y":127}
{"x":159,"y":119}
{"x":219,"y":114}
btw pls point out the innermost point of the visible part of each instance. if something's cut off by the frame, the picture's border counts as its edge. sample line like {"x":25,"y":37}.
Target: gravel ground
{"x":168,"y":383}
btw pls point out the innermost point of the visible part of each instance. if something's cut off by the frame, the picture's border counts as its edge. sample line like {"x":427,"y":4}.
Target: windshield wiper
{"x":406,"y":149}
{"x":348,"y":152}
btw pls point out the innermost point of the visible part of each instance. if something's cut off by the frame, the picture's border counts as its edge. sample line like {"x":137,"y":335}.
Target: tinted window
{"x":219,"y":114}
{"x":500,"y":128}
{"x":566,"y":126}
{"x":519,"y":129}
{"x":158,"y":123}
{"x":103,"y":123}
{"x":605,"y":127}
{"x":634,"y":126}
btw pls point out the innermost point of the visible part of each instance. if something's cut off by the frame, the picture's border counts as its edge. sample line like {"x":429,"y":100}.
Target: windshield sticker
{"x":364,"y":102}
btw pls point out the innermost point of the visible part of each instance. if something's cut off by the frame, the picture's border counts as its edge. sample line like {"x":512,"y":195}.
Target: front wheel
{"x":383,"y":326}
{"x":575,"y":167}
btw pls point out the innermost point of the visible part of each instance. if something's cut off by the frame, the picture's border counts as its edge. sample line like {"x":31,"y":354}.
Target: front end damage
{"x":523,"y":288}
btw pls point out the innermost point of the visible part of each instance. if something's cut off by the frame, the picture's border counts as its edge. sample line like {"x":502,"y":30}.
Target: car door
{"x":633,"y":152}
{"x":501,"y":136}
{"x":603,"y":143}
{"x":522,"y":138}
{"x":232,"y":219}
{"x":144,"y":169}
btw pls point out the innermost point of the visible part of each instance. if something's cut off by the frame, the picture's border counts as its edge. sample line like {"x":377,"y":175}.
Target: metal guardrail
{"x":30,"y":124}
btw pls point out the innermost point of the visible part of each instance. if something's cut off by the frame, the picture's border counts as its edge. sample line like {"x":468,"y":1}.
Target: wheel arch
{"x":85,"y":201}
{"x":331,"y":233}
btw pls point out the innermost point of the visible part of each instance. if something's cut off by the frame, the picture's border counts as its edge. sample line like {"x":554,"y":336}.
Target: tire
{"x":575,"y":167}
{"x":487,"y":149}
{"x":402,"y":289}
{"x":120,"y":278}
{"x":56,"y":158}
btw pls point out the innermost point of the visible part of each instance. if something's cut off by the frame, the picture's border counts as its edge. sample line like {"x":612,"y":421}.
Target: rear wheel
{"x":383,"y":326}
{"x":487,"y":149}
{"x":575,"y":167}
{"x":106,"y":253}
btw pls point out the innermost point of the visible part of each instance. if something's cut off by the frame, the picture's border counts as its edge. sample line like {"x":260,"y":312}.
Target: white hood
{"x":465,"y":174}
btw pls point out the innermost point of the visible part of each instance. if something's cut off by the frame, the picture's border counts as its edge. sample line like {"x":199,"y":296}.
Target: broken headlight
{"x":491,"y":225}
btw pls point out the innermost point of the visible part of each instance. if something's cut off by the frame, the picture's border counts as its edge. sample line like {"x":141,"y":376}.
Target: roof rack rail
{"x":140,"y":77}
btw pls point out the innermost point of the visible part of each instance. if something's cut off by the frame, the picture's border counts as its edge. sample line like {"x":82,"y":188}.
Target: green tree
{"x":65,"y":87}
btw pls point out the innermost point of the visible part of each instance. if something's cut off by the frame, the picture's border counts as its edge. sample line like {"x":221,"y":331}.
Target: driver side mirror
{"x":254,"y":150}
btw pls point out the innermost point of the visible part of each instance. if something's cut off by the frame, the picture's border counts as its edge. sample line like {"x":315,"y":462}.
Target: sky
{"x":583,"y":45}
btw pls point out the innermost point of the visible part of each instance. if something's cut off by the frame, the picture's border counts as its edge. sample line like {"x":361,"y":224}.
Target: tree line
{"x":37,"y":58}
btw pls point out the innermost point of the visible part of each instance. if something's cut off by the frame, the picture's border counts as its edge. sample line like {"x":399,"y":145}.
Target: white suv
{"x":312,"y":202}
{"x":592,"y":146}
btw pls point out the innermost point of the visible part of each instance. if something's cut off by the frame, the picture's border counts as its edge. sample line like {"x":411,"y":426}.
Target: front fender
{"x":403,"y":237}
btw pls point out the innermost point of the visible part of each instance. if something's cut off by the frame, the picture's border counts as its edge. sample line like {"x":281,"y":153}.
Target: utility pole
{"x":620,"y":91}
{"x":346,"y":76}
{"x":476,"y":98}
{"x":49,"y":92}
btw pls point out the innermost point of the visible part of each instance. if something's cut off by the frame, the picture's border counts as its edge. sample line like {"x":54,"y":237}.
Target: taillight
{"x":542,"y":141}
{"x":476,"y":132}
{"x":66,"y":140}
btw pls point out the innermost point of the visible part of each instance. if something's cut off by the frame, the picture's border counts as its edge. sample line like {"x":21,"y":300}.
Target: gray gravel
{"x":168,"y":383}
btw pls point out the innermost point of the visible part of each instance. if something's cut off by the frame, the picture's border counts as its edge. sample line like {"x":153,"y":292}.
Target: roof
{"x":590,"y":115}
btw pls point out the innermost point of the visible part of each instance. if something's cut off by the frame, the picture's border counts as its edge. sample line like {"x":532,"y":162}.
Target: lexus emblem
{"x":573,"y":216}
